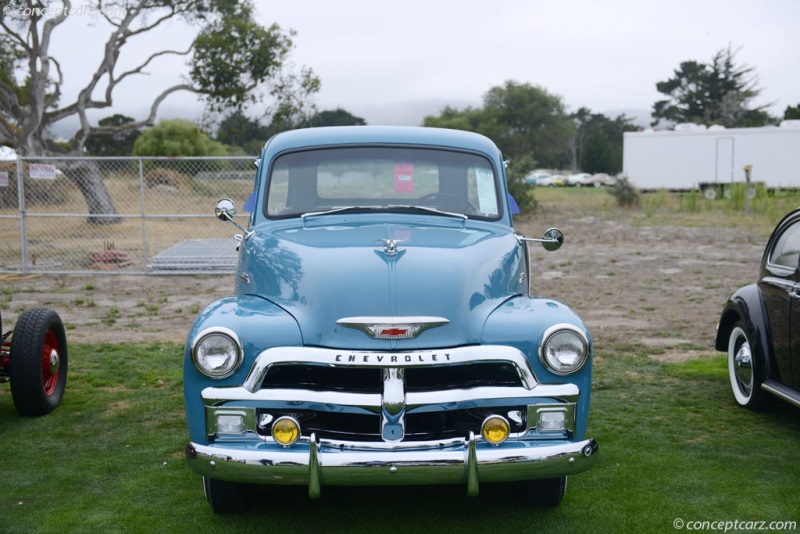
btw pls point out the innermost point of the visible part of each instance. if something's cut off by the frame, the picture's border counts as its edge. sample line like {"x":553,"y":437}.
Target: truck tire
{"x":545,"y":493}
{"x":228,"y":497}
{"x":38,"y":367}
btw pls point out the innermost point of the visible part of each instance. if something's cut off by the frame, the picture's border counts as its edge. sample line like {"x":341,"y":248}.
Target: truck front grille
{"x":424,"y":395}
{"x":370,"y":380}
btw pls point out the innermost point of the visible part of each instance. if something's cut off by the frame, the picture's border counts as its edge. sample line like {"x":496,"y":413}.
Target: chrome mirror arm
{"x":226,"y":211}
{"x":552,"y":239}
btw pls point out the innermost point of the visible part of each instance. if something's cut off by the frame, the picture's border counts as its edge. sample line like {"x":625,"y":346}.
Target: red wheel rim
{"x":50,"y":367}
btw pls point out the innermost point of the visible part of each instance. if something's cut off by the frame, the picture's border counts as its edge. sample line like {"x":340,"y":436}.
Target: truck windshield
{"x":382,"y":178}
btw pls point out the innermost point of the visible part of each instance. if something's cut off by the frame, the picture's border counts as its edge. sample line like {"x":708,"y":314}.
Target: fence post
{"x":144,"y":216}
{"x":21,"y":203}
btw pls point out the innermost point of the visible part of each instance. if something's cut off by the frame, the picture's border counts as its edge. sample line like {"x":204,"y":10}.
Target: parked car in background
{"x":536,"y":177}
{"x":382,"y":330}
{"x":759,"y":326}
{"x":578,"y":179}
{"x":600,"y":179}
{"x":554,"y":180}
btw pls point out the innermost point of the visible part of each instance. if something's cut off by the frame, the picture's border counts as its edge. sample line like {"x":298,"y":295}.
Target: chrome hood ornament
{"x":390,"y":246}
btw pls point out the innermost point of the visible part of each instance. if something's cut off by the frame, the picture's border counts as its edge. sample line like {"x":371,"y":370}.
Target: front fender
{"x":746,"y":304}
{"x":258,"y":323}
{"x":521,"y":322}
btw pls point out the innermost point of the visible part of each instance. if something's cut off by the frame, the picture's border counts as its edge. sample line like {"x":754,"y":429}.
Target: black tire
{"x":228,"y":497}
{"x":746,"y":368}
{"x":545,"y":493}
{"x":38,"y":367}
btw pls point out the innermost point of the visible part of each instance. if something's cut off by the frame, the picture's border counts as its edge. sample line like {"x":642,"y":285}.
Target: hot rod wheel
{"x":38,"y":367}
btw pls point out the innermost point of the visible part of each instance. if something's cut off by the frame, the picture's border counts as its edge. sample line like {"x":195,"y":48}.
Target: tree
{"x":598,"y":141}
{"x":717,"y":93}
{"x":118,"y":143}
{"x":525,"y":119}
{"x":529,"y":125}
{"x":469,"y":119}
{"x":238,"y":130}
{"x":792,"y":113}
{"x":335,"y":117}
{"x":233,"y":62}
{"x":177,"y":137}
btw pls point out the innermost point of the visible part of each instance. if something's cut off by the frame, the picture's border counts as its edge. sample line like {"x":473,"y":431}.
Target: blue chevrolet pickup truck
{"x":382,"y":330}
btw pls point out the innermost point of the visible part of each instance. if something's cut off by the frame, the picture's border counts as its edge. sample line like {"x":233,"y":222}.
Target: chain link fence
{"x":131,"y":215}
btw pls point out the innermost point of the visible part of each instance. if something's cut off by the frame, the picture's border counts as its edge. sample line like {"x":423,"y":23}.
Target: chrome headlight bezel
{"x":564,"y":334}
{"x":223,"y":335}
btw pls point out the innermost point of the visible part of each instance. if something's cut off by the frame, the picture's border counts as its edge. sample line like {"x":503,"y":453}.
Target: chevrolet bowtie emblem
{"x":392,"y":327}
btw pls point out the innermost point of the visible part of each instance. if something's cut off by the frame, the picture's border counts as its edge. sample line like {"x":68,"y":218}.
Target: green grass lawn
{"x":673,"y":445}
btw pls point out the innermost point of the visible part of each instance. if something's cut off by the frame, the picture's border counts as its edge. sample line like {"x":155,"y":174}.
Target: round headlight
{"x":217,"y":353}
{"x":564,"y":349}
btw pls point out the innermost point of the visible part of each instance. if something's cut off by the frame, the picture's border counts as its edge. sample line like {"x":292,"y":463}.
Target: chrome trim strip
{"x":779,"y":283}
{"x":381,"y":359}
{"x":214,"y":396}
{"x":778,"y":392}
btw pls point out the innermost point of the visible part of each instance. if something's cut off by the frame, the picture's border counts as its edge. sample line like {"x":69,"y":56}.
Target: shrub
{"x":626,"y":194}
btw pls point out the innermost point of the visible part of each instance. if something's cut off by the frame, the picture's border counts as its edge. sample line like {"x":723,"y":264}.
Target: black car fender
{"x":746,"y":304}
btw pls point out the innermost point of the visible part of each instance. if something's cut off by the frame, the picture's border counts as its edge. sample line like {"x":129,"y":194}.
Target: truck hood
{"x":459,"y":271}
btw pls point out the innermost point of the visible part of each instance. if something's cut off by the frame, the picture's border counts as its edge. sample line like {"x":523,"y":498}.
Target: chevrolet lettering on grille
{"x":383,"y":359}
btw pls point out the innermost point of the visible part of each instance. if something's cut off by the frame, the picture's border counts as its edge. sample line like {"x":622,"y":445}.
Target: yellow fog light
{"x":286,"y":430}
{"x":495,"y":429}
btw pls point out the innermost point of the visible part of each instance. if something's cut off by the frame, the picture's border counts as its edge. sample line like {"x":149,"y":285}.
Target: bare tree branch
{"x":138,"y":70}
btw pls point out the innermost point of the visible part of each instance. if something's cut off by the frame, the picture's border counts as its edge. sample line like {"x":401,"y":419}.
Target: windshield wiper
{"x":426,"y":209}
{"x":391,"y":207}
{"x":338,"y":210}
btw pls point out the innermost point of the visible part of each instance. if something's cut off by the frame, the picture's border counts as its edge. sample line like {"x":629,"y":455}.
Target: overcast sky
{"x":393,"y":62}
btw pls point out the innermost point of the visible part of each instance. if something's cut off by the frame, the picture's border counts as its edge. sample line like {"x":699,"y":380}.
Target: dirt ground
{"x":660,"y":286}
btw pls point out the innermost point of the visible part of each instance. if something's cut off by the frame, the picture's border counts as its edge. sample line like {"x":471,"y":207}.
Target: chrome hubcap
{"x":743,"y":368}
{"x":55,"y":362}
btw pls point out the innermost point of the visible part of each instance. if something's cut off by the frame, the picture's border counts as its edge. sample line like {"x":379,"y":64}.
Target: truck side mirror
{"x":552,"y":239}
{"x":225,"y":211}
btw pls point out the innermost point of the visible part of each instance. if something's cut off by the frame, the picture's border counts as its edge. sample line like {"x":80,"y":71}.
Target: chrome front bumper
{"x":464,"y":461}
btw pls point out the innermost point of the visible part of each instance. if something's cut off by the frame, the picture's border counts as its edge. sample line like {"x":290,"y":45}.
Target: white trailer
{"x":708,"y":159}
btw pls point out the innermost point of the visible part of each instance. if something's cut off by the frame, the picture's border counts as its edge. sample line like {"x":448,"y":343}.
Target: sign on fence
{"x":42,"y":171}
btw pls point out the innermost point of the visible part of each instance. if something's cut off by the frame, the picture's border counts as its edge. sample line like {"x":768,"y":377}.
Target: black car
{"x":759,"y":328}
